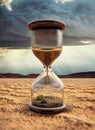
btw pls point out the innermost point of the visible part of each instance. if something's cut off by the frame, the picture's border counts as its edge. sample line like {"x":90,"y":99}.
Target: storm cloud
{"x":79,"y":16}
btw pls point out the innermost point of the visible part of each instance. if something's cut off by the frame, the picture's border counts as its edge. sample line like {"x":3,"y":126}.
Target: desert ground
{"x":79,"y":113}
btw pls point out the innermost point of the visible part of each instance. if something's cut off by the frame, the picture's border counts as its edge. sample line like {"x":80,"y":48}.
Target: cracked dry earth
{"x":79,"y":113}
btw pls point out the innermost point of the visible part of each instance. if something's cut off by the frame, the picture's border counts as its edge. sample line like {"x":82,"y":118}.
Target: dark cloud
{"x":79,"y":16}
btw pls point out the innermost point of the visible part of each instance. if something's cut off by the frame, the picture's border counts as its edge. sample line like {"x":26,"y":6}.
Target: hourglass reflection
{"x":47,"y":90}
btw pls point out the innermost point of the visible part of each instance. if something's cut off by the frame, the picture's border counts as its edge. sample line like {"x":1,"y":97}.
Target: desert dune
{"x":79,"y":113}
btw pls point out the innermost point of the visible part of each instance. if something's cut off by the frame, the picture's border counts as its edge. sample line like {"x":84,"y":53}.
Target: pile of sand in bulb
{"x":78,"y":115}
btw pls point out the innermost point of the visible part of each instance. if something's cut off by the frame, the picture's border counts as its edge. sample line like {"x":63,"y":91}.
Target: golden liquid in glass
{"x":47,"y":56}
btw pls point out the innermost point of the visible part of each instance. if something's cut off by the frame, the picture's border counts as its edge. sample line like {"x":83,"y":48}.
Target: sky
{"x":73,"y":59}
{"x":78,"y":42}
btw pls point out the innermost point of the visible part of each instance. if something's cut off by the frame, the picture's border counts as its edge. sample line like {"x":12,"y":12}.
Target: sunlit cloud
{"x":63,"y":1}
{"x":6,"y":3}
{"x":86,"y":41}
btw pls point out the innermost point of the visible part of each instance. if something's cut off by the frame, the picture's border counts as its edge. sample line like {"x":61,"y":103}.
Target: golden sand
{"x":79,"y":113}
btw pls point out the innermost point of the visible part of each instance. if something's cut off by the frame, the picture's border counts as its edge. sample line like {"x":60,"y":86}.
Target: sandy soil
{"x":79,"y":113}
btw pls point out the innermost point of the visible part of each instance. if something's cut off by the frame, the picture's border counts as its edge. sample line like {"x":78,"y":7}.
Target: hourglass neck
{"x":47,"y":69}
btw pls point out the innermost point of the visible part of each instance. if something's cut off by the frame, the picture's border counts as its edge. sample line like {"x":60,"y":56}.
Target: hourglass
{"x":47,"y":90}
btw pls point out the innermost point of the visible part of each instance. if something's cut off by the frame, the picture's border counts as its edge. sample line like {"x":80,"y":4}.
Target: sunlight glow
{"x":7,"y":4}
{"x":63,"y":1}
{"x":73,"y":59}
{"x":86,"y":41}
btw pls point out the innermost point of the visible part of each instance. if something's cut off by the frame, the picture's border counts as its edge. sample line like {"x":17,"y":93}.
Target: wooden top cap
{"x":46,"y":23}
